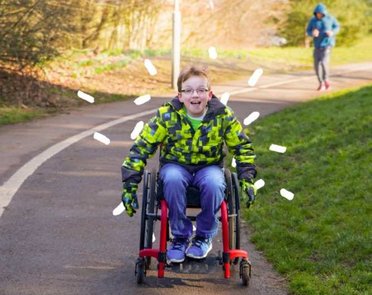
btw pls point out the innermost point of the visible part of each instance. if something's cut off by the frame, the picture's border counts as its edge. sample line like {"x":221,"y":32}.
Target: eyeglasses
{"x":199,"y":92}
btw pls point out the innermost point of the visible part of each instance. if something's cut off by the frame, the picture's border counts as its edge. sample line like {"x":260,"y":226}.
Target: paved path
{"x":57,"y":232}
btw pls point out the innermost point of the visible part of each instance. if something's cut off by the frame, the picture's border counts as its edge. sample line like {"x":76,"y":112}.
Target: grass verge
{"x":67,"y":100}
{"x":321,"y":240}
{"x":13,"y":115}
{"x":299,"y":57}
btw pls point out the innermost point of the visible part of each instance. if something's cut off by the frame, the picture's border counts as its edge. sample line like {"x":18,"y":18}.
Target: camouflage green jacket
{"x":179,"y":143}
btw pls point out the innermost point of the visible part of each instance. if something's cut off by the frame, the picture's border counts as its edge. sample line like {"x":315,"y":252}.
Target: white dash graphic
{"x":251,"y":118}
{"x":85,"y":96}
{"x":150,"y":67}
{"x":212,"y":52}
{"x":233,"y":162}
{"x":259,"y":184}
{"x":142,"y":99}
{"x":286,"y":194}
{"x":225,"y":98}
{"x":119,"y":209}
{"x":277,"y":148}
{"x":211,"y":4}
{"x":101,"y":138}
{"x":137,"y":130}
{"x":255,"y":76}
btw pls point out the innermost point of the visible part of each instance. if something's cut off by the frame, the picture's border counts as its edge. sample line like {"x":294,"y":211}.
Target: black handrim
{"x":231,"y":209}
{"x":143,"y":209}
{"x":151,"y":210}
{"x":237,"y":211}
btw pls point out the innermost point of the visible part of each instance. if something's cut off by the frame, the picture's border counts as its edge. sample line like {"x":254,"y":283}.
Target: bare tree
{"x":122,"y":24}
{"x":32,"y":30}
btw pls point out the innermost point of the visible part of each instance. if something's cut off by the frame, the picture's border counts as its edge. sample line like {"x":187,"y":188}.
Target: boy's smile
{"x":197,"y":102}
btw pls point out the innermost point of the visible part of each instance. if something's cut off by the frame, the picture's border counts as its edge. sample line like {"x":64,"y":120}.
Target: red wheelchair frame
{"x":152,"y":202}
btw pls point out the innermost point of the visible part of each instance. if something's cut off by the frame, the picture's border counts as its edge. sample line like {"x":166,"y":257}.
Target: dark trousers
{"x":321,"y":63}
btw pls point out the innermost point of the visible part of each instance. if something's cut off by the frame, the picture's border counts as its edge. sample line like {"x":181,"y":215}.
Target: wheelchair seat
{"x":193,"y":192}
{"x":193,"y":197}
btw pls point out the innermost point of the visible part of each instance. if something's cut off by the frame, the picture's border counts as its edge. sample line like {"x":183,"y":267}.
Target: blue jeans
{"x":211,"y":183}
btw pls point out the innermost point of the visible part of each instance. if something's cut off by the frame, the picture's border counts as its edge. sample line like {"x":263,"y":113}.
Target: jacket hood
{"x":215,"y":107}
{"x":320,"y":8}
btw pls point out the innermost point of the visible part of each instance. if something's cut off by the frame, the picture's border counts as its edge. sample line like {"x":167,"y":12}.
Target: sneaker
{"x":327,"y":85}
{"x":321,"y":87}
{"x":176,"y":253}
{"x":199,"y":248}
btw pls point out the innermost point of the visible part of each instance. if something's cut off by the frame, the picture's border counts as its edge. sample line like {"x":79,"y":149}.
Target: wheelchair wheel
{"x":148,"y":207}
{"x":231,"y":202}
{"x":245,"y":272}
{"x":140,"y":271}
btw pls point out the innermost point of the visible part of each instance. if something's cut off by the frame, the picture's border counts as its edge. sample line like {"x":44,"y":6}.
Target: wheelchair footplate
{"x":210,"y":264}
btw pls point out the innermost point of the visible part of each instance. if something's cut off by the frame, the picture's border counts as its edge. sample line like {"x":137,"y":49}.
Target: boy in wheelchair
{"x":191,"y":131}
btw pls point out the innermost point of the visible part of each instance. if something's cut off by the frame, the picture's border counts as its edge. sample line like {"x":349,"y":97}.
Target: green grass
{"x":360,"y":52}
{"x":99,"y":69}
{"x":12,"y":115}
{"x":321,"y":240}
{"x":293,"y":57}
{"x":82,"y":63}
{"x":222,"y":53}
{"x":302,"y":57}
{"x":297,"y":56}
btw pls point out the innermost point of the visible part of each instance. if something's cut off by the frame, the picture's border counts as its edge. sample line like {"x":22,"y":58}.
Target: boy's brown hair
{"x":192,"y":71}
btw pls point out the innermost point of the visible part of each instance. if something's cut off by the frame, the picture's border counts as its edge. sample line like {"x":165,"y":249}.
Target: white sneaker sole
{"x":199,"y":257}
{"x":175,"y":260}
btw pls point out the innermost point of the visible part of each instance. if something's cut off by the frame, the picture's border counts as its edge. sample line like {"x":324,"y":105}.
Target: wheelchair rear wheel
{"x":232,"y":186}
{"x":231,"y":209}
{"x":236,"y":189}
{"x":148,"y":210}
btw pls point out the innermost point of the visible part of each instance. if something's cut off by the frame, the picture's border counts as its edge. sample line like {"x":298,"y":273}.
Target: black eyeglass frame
{"x":200,"y":91}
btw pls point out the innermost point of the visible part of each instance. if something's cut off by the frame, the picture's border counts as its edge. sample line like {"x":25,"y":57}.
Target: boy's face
{"x":195,"y":95}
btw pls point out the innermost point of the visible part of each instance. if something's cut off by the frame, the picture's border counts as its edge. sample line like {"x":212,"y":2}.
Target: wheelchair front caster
{"x":140,"y":271}
{"x":148,"y":263}
{"x":245,"y":271}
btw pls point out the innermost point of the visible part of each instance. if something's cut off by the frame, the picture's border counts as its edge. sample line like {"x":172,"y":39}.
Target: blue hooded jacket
{"x":326,"y":23}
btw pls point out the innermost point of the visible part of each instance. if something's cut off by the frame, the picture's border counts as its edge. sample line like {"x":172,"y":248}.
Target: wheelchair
{"x":154,"y":208}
